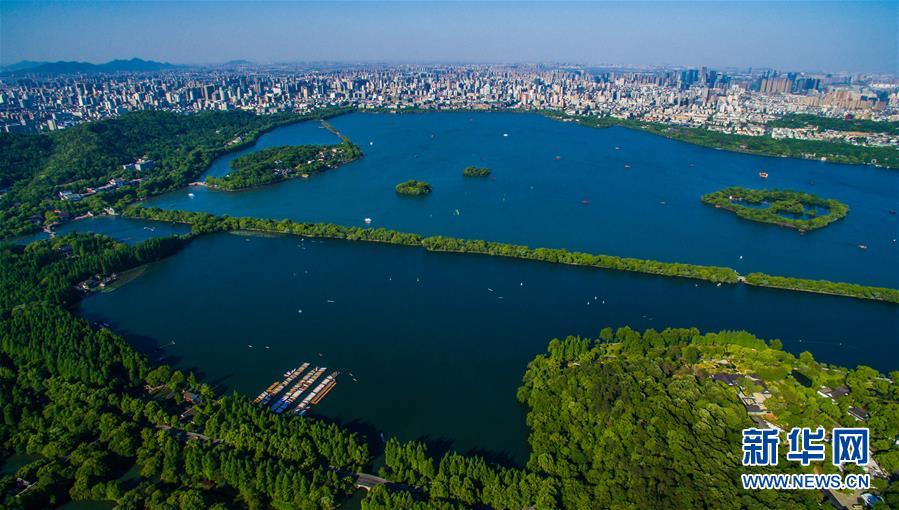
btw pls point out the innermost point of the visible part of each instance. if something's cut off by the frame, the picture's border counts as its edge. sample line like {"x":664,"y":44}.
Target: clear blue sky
{"x":828,"y":36}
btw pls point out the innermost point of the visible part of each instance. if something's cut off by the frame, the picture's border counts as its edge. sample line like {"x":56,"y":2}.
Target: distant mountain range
{"x":135,"y":64}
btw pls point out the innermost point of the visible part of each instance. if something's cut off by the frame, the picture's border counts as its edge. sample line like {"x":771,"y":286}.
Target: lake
{"x":643,"y":192}
{"x":438,"y":343}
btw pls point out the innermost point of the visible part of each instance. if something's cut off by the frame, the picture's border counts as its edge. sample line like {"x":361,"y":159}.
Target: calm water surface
{"x":643,"y":193}
{"x":438,"y":342}
{"x":127,"y":230}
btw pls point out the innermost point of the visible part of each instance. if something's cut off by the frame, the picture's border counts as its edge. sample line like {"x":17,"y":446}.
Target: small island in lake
{"x":276,"y":164}
{"x":802,"y":211}
{"x":473,"y":171}
{"x":413,"y":188}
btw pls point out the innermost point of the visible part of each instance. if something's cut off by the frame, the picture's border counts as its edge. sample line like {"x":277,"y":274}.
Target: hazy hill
{"x":63,"y":67}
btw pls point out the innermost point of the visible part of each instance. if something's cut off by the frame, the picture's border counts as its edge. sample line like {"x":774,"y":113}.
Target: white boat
{"x":367,"y":221}
{"x":191,"y":195}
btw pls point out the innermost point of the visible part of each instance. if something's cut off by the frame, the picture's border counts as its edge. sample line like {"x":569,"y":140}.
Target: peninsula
{"x":276,"y":164}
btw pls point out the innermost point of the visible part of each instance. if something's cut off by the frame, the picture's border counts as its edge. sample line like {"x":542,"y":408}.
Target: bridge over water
{"x":367,"y":481}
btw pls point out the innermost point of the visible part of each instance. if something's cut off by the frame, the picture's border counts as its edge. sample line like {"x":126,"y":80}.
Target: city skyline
{"x":806,"y":36}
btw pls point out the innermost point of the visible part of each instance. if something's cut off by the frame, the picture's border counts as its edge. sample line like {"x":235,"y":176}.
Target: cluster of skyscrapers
{"x":736,"y":101}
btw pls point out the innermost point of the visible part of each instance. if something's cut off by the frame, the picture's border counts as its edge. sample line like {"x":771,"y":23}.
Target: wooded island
{"x":802,"y":211}
{"x":473,"y":171}
{"x":413,"y":188}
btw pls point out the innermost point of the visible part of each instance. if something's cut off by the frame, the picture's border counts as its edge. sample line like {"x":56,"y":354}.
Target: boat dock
{"x":279,"y":398}
{"x":277,"y":387}
{"x":318,"y":393}
{"x":294,"y":393}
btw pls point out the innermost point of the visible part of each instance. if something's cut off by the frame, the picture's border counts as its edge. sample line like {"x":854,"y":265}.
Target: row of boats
{"x":279,"y":400}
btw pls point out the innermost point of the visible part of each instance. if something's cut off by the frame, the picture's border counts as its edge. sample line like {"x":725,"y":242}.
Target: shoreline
{"x":126,"y":277}
{"x":671,"y":132}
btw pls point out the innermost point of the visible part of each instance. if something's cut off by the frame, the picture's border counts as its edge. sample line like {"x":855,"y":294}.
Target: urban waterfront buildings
{"x":732,"y":101}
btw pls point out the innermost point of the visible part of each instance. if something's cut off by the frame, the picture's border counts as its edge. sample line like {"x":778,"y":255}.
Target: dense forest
{"x":21,"y":156}
{"x":276,"y":164}
{"x":205,"y":222}
{"x":35,"y":168}
{"x":635,"y":420}
{"x":778,"y":207}
{"x":764,"y":145}
{"x":801,"y":120}
{"x":413,"y":188}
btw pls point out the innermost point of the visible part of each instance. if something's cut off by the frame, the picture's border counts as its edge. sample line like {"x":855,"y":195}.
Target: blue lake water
{"x":438,"y":342}
{"x":126,"y":230}
{"x":544,"y":169}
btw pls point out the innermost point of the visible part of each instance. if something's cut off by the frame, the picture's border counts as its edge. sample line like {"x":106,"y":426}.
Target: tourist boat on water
{"x":367,"y":221}
{"x":863,"y":247}
{"x":763,"y":175}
